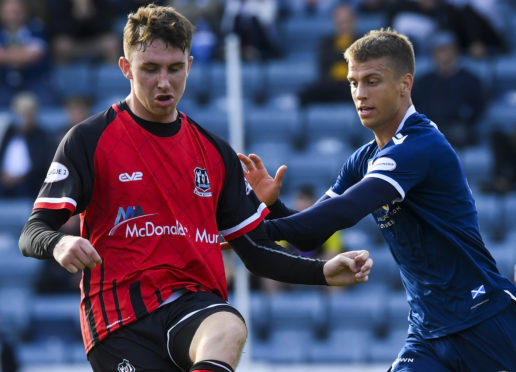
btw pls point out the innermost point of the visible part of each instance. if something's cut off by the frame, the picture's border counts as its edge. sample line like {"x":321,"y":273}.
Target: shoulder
{"x":220,"y":143}
{"x":92,"y":127}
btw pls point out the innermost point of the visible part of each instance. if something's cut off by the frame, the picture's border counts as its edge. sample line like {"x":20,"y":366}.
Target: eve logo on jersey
{"x":398,"y":139}
{"x":57,"y":172}
{"x":125,"y":366}
{"x":126,"y":177}
{"x":202,"y":182}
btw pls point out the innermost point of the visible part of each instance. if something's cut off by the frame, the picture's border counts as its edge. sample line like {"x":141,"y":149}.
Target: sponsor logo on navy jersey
{"x":202,"y":182}
{"x":137,"y":225}
{"x":125,"y":366}
{"x":381,"y":164}
{"x":57,"y":172}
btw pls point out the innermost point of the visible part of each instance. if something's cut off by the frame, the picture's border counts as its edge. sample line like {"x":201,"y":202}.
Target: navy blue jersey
{"x":451,"y":279}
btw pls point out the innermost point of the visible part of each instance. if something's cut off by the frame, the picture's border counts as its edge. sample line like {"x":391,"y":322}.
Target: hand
{"x":348,"y":268}
{"x":75,"y":253}
{"x":267,"y":189}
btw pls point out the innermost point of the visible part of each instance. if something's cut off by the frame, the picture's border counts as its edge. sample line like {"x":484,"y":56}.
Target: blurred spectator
{"x":255,"y":22}
{"x":25,"y":151}
{"x":450,"y":94}
{"x":83,"y":30}
{"x":8,"y":359}
{"x":77,"y":109}
{"x":304,"y":198}
{"x":24,"y":58}
{"x":332,"y":84}
{"x":206,"y":15}
{"x":483,"y":27}
{"x":503,"y":148}
{"x":419,"y":19}
{"x":124,"y":7}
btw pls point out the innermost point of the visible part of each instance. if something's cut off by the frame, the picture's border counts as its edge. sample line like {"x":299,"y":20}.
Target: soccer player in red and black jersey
{"x":154,"y":190}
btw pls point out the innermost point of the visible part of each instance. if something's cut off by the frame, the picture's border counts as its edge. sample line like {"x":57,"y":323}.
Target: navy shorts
{"x":487,"y":347}
{"x":161,"y":340}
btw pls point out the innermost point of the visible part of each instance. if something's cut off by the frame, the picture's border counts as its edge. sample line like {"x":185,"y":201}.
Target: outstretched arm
{"x":313,"y":226}
{"x":264,"y":258}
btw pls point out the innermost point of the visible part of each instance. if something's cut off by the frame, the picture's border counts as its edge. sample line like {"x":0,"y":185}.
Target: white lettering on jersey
{"x":126,"y":177}
{"x":150,"y":229}
{"x":57,"y":172}
{"x":382,"y":164}
{"x":204,"y":237}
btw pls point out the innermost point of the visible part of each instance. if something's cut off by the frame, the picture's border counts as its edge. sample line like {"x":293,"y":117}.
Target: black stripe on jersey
{"x":87,"y":306}
{"x":135,"y":293}
{"x":117,"y":304}
{"x":158,"y":296}
{"x":101,"y":298}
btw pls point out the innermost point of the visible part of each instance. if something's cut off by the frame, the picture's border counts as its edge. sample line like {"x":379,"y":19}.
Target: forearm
{"x":313,"y":226}
{"x":263,"y":257}
{"x":40,"y":235}
{"x":278,"y":210}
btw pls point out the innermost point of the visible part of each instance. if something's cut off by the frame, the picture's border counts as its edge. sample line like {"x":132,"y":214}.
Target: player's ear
{"x":406,"y":82}
{"x":125,"y":66}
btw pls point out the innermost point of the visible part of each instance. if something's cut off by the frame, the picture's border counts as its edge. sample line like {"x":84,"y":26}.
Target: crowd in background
{"x":38,"y":37}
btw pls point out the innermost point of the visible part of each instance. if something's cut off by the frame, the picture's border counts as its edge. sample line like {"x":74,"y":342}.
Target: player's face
{"x":381,"y":98}
{"x":158,"y":79}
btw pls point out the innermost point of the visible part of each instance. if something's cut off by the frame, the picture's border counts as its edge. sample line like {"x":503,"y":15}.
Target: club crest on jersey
{"x":202,"y":182}
{"x":125,"y":366}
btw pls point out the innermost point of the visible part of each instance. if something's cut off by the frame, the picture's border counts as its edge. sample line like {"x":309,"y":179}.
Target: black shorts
{"x":161,"y":340}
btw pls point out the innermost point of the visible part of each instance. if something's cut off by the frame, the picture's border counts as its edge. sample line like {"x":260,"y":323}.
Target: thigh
{"x":198,"y":307}
{"x":490,"y":345}
{"x":418,"y":355}
{"x":159,"y":341}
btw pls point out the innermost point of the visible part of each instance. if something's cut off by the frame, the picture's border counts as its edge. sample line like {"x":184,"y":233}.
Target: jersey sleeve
{"x":69,"y":181}
{"x":403,"y":165}
{"x":239,"y":210}
{"x":350,"y":173}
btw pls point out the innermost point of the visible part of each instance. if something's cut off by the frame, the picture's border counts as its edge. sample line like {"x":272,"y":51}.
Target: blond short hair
{"x":384,"y":43}
{"x":153,"y":22}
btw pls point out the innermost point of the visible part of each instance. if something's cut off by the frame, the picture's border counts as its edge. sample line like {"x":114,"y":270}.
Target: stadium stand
{"x":366,"y":324}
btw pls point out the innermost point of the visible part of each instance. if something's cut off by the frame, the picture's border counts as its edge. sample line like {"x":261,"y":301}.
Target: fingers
{"x":75,"y":253}
{"x":280,"y":173}
{"x":248,"y":163}
{"x":258,"y":163}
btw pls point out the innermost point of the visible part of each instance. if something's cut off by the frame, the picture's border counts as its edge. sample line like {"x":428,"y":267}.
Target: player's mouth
{"x":164,"y":99}
{"x":364,"y":111}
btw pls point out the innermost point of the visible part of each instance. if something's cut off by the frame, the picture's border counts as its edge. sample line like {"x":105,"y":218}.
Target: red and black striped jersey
{"x":153,"y":199}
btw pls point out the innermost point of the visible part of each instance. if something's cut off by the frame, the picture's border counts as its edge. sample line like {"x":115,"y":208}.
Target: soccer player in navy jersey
{"x":154,"y":190}
{"x":462,"y":310}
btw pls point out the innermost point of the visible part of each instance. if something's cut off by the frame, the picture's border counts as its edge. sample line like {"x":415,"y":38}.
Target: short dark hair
{"x":384,"y":43}
{"x":154,"y":22}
